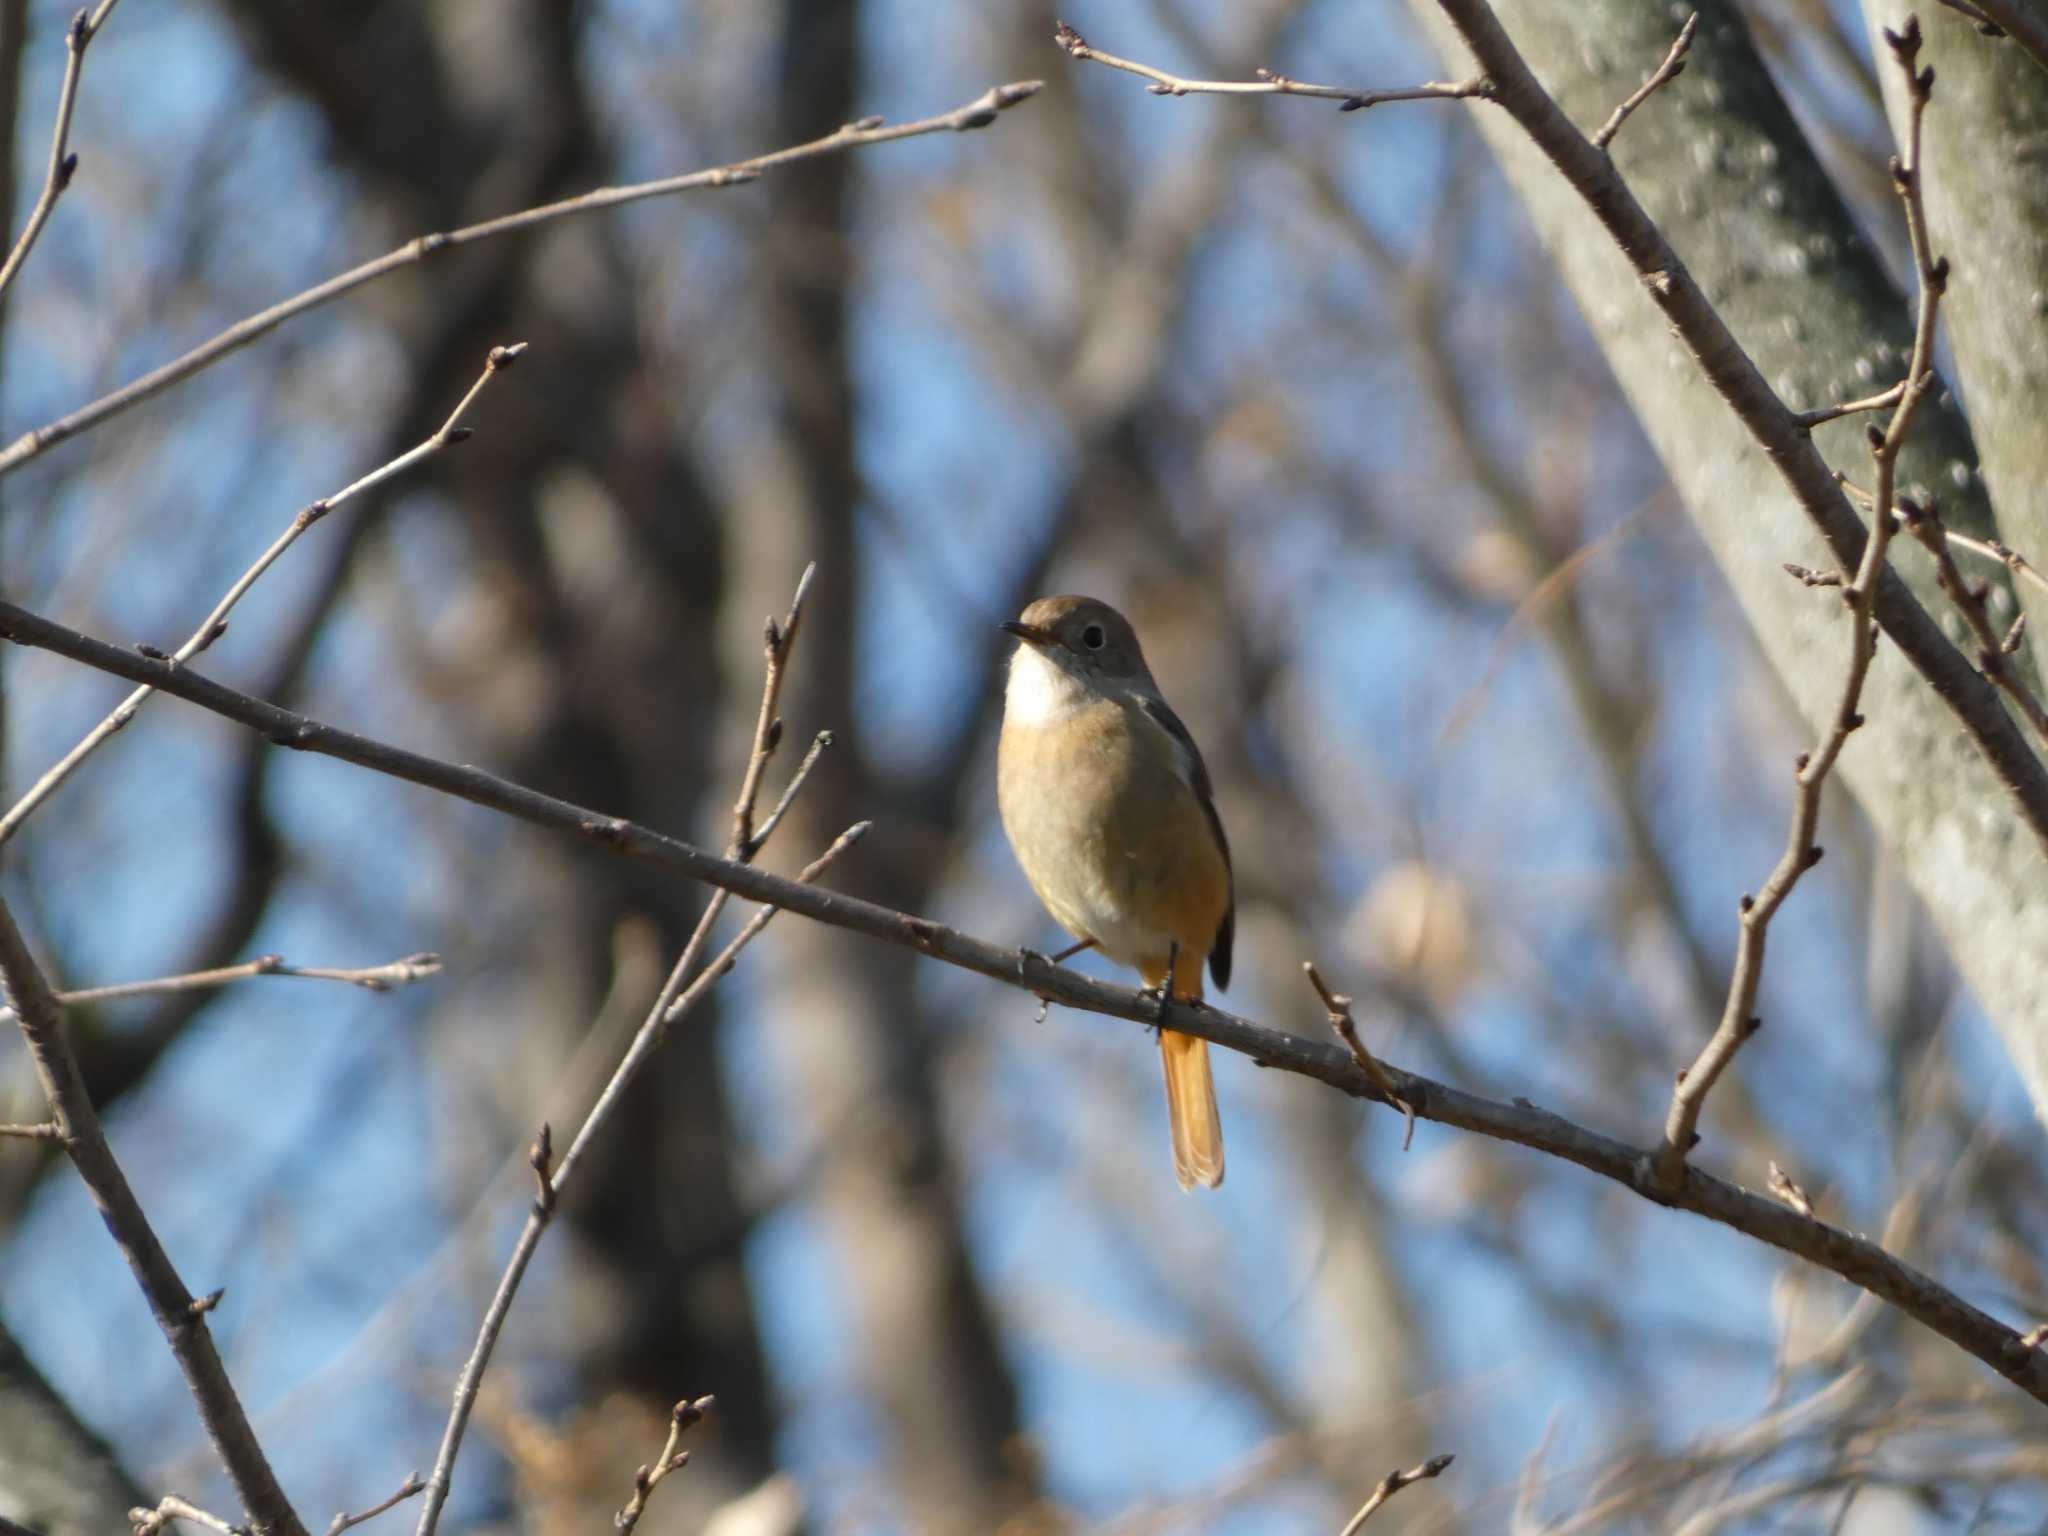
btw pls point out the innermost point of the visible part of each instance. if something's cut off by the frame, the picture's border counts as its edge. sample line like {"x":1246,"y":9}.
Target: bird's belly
{"x":1124,"y":859}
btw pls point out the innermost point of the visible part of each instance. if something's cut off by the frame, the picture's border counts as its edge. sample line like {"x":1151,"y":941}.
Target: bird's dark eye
{"x":1093,"y":637}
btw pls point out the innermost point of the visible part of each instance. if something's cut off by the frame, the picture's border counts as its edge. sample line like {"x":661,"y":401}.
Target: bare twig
{"x":2010,"y":558}
{"x":372,"y":978}
{"x":1268,"y":83}
{"x":1856,"y":1259}
{"x":1739,"y":1020}
{"x":1672,"y":67}
{"x":1392,"y":1484}
{"x":41,"y":1018}
{"x":85,"y":26}
{"x":1338,"y":1007}
{"x":670,"y":1006}
{"x":682,"y":1418}
{"x":1883,"y":400}
{"x":43,"y":1130}
{"x":978,"y":113}
{"x":149,"y":1522}
{"x":1973,"y":601}
{"x":678,"y":995}
{"x":406,"y":1490}
{"x":216,"y":622}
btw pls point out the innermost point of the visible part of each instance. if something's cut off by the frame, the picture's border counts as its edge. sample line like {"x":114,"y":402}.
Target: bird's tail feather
{"x":1190,"y":1090}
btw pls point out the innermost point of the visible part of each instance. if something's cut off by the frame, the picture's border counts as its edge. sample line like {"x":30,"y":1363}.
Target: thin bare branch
{"x":1392,"y":1484}
{"x":1268,"y":83}
{"x":668,"y":1008}
{"x":410,"y":1488}
{"x":1856,"y":1259}
{"x":372,"y":978}
{"x":85,"y":26}
{"x":678,"y":995}
{"x":978,"y":113}
{"x":44,"y":1130}
{"x":1739,"y":1021}
{"x":1973,"y":601}
{"x":1883,"y":400}
{"x":682,"y":1418}
{"x":149,"y":1522}
{"x":41,"y":1018}
{"x":1672,"y":67}
{"x":215,"y":624}
{"x":1338,"y":1007}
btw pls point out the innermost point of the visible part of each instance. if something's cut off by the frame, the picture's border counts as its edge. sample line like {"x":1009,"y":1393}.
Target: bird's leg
{"x":1025,"y":955}
{"x":1163,"y":993}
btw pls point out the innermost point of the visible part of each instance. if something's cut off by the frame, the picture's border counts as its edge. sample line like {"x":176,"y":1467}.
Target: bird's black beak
{"x":1030,"y":634}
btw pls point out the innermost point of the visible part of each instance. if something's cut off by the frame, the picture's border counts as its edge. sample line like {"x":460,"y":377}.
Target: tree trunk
{"x":1718,"y":161}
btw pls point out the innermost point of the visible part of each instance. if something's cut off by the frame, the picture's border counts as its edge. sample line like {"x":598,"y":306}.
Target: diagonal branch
{"x":181,"y":1317}
{"x":1661,"y":76}
{"x":978,"y":113}
{"x":216,"y":623}
{"x":85,"y":26}
{"x":1739,"y":1021}
{"x":1856,"y":1259}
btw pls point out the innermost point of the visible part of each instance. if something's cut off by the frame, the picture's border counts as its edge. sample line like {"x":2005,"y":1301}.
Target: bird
{"x":1108,"y":806}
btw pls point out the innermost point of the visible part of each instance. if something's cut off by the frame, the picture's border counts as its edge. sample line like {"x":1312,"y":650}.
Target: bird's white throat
{"x":1040,"y":691}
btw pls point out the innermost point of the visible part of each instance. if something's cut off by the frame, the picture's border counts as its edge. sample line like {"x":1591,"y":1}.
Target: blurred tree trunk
{"x":1984,"y":143}
{"x":598,"y":557}
{"x":1719,"y":163}
{"x":858,"y":1049}
{"x":56,"y":1476}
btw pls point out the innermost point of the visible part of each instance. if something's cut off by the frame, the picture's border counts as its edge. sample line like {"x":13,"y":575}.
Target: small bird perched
{"x":1107,"y":804}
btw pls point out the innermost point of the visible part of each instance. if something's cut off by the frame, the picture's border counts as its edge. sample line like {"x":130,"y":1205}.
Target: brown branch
{"x":681,"y":1419}
{"x":406,"y":1490}
{"x":1739,"y":1021}
{"x":1338,"y":1007}
{"x":1392,"y":1484}
{"x":41,"y":1018}
{"x":679,"y":994}
{"x":1856,"y":1259}
{"x":1973,"y":601}
{"x":1883,"y":400}
{"x":42,"y":1130}
{"x":216,"y":623}
{"x":1672,"y":67}
{"x":85,"y":26}
{"x":670,"y":1006}
{"x":151,"y":1522}
{"x":2012,"y":18}
{"x":1774,"y":427}
{"x":978,"y":113}
{"x":1268,"y":83}
{"x":372,"y":978}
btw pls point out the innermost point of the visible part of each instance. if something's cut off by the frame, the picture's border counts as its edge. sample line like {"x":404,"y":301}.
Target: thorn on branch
{"x":201,"y":1305}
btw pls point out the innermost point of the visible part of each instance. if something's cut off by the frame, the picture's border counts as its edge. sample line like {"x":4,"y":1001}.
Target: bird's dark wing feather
{"x":1198,"y":776}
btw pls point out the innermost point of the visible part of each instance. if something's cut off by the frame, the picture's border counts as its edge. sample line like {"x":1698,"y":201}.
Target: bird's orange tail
{"x":1190,"y":1089}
